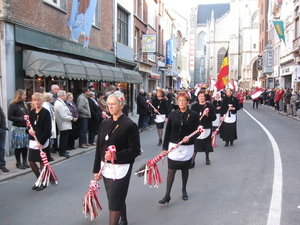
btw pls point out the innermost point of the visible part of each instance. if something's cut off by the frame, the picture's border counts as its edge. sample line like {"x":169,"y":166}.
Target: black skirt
{"x":116,"y":191}
{"x":228,"y":131}
{"x":179,"y":165}
{"x":34,"y":154}
{"x":203,"y":145}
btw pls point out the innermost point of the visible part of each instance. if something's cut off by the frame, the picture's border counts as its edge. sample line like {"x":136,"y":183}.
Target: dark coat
{"x":206,"y":121}
{"x":73,"y":109}
{"x":141,"y":105}
{"x":217,"y":103}
{"x":94,"y":121}
{"x":230,"y":100}
{"x":42,"y":126}
{"x":16,"y":112}
{"x":161,"y":105}
{"x":2,"y":120}
{"x":122,"y":133}
{"x":180,"y":125}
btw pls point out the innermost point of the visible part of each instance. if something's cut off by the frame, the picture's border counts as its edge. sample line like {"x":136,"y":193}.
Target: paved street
{"x":241,"y":186}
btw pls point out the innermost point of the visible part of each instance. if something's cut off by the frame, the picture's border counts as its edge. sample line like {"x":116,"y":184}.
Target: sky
{"x":183,"y":6}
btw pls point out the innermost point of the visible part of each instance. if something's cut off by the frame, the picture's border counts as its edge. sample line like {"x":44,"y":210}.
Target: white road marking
{"x":275,"y":205}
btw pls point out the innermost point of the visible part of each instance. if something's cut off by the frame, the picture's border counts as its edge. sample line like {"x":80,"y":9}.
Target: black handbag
{"x":75,"y":131}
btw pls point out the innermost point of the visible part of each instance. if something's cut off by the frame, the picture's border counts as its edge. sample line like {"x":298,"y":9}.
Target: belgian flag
{"x":223,"y":78}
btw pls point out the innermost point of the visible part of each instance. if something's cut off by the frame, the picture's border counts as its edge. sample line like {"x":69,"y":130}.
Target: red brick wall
{"x":40,"y":16}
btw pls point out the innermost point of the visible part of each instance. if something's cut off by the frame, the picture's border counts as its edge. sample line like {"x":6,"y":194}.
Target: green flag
{"x":279,"y":29}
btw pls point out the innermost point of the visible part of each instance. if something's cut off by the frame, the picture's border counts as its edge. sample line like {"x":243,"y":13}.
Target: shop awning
{"x":42,"y":64}
{"x":106,"y":73}
{"x":74,"y":69}
{"x":118,"y":74}
{"x":92,"y":71}
{"x":132,"y":76}
{"x":155,"y":76}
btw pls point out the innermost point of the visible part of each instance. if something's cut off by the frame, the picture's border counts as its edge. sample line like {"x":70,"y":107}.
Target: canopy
{"x":92,"y":71}
{"x":42,"y":64}
{"x":74,"y":69}
{"x":118,"y":74}
{"x":132,"y":76}
{"x":106,"y":73}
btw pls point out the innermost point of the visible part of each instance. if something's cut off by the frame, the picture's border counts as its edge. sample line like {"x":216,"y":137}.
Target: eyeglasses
{"x":182,"y":100}
{"x":112,"y":104}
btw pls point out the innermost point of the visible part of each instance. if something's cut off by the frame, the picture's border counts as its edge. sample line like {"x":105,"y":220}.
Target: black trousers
{"x":63,"y":141}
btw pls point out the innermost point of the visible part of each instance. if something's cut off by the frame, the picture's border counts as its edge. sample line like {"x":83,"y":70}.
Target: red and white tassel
{"x":150,"y":170}
{"x":91,"y":205}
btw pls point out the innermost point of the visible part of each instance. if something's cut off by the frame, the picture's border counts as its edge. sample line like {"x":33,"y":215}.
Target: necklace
{"x":110,"y":132}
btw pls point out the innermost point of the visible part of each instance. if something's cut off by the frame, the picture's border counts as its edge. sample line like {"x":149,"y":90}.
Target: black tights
{"x":114,"y":216}
{"x":171,"y":177}
{"x":35,"y":168}
{"x":194,"y":156}
{"x":18,"y":152}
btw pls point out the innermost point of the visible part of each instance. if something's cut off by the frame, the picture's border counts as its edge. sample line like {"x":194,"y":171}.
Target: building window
{"x":201,"y":42}
{"x":139,"y":9}
{"x":221,"y":55}
{"x":122,"y":29}
{"x":60,"y":4}
{"x":97,"y":15}
{"x":297,"y":28}
{"x":152,"y":17}
{"x":254,"y":46}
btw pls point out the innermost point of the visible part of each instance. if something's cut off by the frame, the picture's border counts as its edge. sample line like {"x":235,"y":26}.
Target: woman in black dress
{"x":203,"y":141}
{"x":19,"y":137}
{"x":228,"y":130}
{"x":181,"y":123}
{"x":123,"y":133}
{"x":40,"y":120}
{"x":161,"y":105}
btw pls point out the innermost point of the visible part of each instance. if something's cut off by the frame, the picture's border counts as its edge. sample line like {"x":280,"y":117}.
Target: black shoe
{"x":20,"y":166}
{"x":226,"y":144}
{"x":26,"y":165}
{"x":41,"y":188}
{"x":65,"y":155}
{"x":159,"y":142}
{"x":123,"y":222}
{"x":34,"y":187}
{"x":53,"y":150}
{"x":231,"y":143}
{"x":207,"y":162}
{"x":4,"y":169}
{"x":73,"y":148}
{"x":165,"y":200}
{"x":184,"y":196}
{"x":69,"y":148}
{"x":51,"y":159}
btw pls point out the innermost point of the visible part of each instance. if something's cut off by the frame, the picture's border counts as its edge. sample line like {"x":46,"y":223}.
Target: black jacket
{"x":206,"y":121}
{"x":124,"y":135}
{"x":180,"y":125}
{"x":2,"y":119}
{"x":141,"y":105}
{"x":41,"y":124}
{"x":229,"y":100}
{"x":94,"y":121}
{"x":161,"y":105}
{"x":16,"y":112}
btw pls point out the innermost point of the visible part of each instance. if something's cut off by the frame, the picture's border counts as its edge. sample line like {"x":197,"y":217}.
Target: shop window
{"x":32,"y":85}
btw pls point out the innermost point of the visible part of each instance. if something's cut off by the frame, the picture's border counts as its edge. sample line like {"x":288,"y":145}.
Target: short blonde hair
{"x":47,"y":97}
{"x":37,"y":95}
